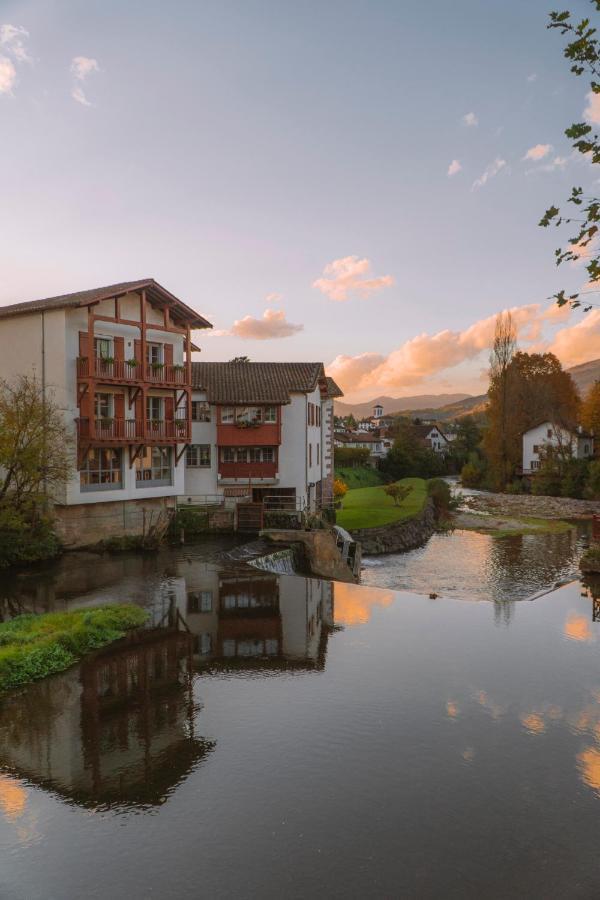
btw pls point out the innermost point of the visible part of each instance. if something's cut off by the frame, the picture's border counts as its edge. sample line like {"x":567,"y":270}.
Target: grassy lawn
{"x":370,"y":507}
{"x":32,"y":647}
{"x":359,"y":476}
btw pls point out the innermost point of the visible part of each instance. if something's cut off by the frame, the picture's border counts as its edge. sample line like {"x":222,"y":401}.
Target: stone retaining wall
{"x":399,"y":536}
{"x":85,"y":524}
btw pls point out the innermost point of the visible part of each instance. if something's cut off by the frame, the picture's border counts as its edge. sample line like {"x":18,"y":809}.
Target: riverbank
{"x":524,"y":506}
{"x":503,"y":526}
{"x":35,"y":646}
{"x":371,"y":507}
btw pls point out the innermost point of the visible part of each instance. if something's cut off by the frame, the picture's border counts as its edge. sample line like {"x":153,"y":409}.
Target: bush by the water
{"x":25,"y":538}
{"x":191,"y":520}
{"x":590,"y":561}
{"x":32,"y":647}
{"x":440,"y":493}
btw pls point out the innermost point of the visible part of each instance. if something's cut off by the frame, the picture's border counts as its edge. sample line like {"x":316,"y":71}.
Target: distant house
{"x":377,"y":445}
{"x":433,"y":437}
{"x":547,"y":437}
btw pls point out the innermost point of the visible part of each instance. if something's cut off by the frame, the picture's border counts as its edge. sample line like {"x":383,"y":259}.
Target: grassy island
{"x":32,"y":647}
{"x":371,"y":507}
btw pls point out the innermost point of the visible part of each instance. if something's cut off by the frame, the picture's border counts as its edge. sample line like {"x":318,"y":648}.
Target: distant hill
{"x":446,"y":407}
{"x":585,"y":374}
{"x":394,"y":405}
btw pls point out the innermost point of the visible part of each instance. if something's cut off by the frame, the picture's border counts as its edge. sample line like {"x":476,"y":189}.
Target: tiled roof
{"x":255,"y":382}
{"x":332,"y":389}
{"x":163,"y":297}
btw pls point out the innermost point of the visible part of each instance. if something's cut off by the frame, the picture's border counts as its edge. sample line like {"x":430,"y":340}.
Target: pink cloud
{"x":454,"y":168}
{"x":538,"y":152}
{"x":592,"y":111}
{"x":426,"y":355}
{"x":348,"y":275}
{"x":578,"y":343}
{"x":272,"y":325}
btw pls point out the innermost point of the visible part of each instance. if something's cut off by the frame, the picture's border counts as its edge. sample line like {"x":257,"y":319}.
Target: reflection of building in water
{"x":118,"y":728}
{"x":266,"y":618}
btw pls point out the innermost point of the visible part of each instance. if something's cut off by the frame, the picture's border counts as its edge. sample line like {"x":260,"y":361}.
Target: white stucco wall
{"x":200,"y":481}
{"x":538,"y":437}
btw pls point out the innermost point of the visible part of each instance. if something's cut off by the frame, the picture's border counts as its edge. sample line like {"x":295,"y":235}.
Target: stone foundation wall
{"x":399,"y":536}
{"x":85,"y":524}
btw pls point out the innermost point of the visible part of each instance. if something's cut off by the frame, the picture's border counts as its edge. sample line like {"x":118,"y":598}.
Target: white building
{"x":377,"y":445}
{"x":261,"y":430}
{"x":117,"y":361}
{"x":547,"y":437}
{"x":435,"y":439}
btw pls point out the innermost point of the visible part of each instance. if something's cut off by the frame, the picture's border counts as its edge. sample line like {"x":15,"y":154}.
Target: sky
{"x":352,"y":181}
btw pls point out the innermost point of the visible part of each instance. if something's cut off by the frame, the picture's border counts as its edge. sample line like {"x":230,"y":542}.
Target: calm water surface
{"x":275,"y":736}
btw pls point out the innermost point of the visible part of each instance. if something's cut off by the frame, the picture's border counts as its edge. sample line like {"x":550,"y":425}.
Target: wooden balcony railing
{"x":128,"y":430}
{"x":248,"y":470}
{"x":130,"y":372}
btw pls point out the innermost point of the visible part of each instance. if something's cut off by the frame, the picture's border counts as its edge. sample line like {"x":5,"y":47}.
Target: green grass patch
{"x":359,"y":476}
{"x":370,"y":507}
{"x":509,"y":527}
{"x":32,"y":647}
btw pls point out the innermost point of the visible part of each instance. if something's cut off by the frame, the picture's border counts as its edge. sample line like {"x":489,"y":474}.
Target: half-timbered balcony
{"x":234,"y":435}
{"x":130,"y":372}
{"x":132,"y":430}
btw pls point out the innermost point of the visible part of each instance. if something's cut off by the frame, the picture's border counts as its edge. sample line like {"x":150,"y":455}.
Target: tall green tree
{"x":583,"y":52}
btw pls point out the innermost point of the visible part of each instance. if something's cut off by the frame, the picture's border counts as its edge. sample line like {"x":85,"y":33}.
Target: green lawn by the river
{"x":371,"y":507}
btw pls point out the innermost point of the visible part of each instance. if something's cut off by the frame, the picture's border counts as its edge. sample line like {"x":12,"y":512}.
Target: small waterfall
{"x":283,"y":562}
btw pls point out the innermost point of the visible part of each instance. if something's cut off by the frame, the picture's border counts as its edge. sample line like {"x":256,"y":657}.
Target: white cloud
{"x":274,"y":297}
{"x":11,"y":41}
{"x":81,"y":68}
{"x":8,"y":75}
{"x":273,"y":324}
{"x":492,"y":170}
{"x":532,"y":77}
{"x":470,"y":120}
{"x":540,"y":151}
{"x":592,"y":111}
{"x":454,"y":168}
{"x":349,"y":275}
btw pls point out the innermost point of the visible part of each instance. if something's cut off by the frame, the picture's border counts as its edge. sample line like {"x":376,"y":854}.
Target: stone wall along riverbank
{"x":398,"y":536}
{"x":524,"y":505}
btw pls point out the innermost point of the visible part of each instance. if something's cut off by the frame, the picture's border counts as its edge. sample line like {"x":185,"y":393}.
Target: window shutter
{"x":85,"y":406}
{"x":139,"y":406}
{"x":84,"y":344}
{"x":168,"y":354}
{"x":169,"y":409}
{"x":137,"y":349}
{"x":119,"y":345}
{"x":119,"y":401}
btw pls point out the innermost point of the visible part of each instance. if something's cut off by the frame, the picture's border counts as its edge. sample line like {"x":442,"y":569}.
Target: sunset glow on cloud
{"x":427,"y":355}
{"x":349,"y":275}
{"x":272,"y":325}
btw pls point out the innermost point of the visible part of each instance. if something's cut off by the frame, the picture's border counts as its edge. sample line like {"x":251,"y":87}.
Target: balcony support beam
{"x":135,"y":451}
{"x":179,"y":453}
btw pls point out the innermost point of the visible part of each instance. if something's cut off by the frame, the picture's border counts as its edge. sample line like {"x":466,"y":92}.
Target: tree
{"x":35,"y":453}
{"x":503,"y":351}
{"x":398,"y":492}
{"x":340,"y":489}
{"x":590,"y":410}
{"x":537,"y":389}
{"x":583,"y":51}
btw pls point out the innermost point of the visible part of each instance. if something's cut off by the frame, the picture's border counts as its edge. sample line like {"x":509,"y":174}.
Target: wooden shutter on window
{"x":85,"y":405}
{"x":84,"y":343}
{"x":119,"y":345}
{"x":139,"y":407}
{"x":119,"y":401}
{"x":169,"y":409}
{"x":137,"y":349}
{"x":168,"y":354}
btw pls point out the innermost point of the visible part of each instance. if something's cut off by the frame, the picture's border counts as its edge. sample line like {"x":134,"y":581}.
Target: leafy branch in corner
{"x":583,"y":51}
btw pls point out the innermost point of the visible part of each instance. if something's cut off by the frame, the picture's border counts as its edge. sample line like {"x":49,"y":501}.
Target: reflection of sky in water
{"x":476,"y":566}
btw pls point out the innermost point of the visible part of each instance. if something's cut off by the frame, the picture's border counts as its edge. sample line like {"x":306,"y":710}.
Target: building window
{"x":198,"y":456}
{"x":271,"y":414}
{"x":535,"y":464}
{"x":310,"y":454}
{"x":536,"y":448}
{"x":103,"y":348}
{"x":249,"y":415}
{"x":268,"y":454}
{"x":200,"y":602}
{"x":154,"y":409}
{"x":586,"y":449}
{"x":549,"y":433}
{"x":227,"y":414}
{"x":154,"y":354}
{"x":103,"y":406}
{"x":319,"y":453}
{"x":154,"y":468}
{"x":254,"y":454}
{"x":102,"y":470}
{"x":200,"y":411}
{"x":228,"y":455}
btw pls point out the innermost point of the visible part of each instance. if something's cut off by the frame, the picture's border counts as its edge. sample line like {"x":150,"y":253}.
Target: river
{"x":273,"y":736}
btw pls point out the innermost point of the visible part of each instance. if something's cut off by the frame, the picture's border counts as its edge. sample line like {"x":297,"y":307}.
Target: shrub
{"x":398,"y":492}
{"x":351,"y":456}
{"x":592,"y":483}
{"x":440,"y":493}
{"x":340,"y":489}
{"x":191,"y":520}
{"x":24,"y":538}
{"x":515,"y":487}
{"x":471,"y":475}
